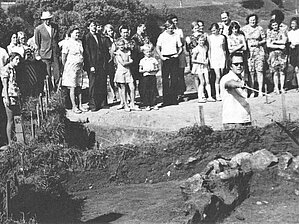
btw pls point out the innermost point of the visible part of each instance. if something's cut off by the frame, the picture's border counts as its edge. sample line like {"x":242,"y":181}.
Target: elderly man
{"x":46,"y":40}
{"x":235,"y":110}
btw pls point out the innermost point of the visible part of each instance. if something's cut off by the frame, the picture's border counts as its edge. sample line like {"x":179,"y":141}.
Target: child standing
{"x":149,"y":67}
{"x":123,"y":75}
{"x":10,"y":92}
{"x":200,"y":68}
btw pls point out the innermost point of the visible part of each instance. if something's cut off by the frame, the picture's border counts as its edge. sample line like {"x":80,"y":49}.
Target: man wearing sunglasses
{"x":235,"y":110}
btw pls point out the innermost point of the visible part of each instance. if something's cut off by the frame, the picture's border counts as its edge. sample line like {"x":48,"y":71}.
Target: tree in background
{"x":25,"y":15}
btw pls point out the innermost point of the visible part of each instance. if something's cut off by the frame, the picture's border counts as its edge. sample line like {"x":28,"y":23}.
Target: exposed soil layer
{"x":141,"y":182}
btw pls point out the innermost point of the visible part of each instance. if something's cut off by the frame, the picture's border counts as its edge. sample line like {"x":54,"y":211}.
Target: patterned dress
{"x":73,"y":68}
{"x":256,"y":53}
{"x":277,"y":57}
{"x":13,"y":90}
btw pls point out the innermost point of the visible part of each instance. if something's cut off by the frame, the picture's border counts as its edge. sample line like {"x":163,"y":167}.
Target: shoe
{"x":83,"y":109}
{"x":148,"y":108}
{"x":76,"y":110}
{"x":201,"y":101}
{"x":276,"y":91}
{"x":135,"y":108}
{"x":251,"y":95}
{"x":156,"y":107}
{"x":210,"y":99}
{"x":121,"y":106}
{"x":218,"y":98}
{"x":105,"y":107}
{"x":127,"y":109}
{"x":114,"y":100}
{"x":282,"y":91}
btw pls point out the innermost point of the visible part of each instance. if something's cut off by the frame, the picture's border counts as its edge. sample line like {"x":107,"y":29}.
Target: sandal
{"x":76,"y":111}
{"x":121,"y":106}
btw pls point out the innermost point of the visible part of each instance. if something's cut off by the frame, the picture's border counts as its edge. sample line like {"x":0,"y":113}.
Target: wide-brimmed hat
{"x":46,"y":15}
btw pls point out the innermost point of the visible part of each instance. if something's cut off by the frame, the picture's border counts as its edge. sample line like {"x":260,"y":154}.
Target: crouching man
{"x":235,"y":110}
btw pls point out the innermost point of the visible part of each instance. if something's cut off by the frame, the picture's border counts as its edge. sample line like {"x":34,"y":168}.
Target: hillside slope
{"x":209,"y":11}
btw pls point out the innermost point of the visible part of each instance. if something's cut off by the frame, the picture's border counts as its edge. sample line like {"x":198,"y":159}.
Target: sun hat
{"x":46,"y":15}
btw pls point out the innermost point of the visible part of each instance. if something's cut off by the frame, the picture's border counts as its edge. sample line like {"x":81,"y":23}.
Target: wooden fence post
{"x":41,"y":105}
{"x":37,"y":115}
{"x":283,"y":105}
{"x":7,"y":199}
{"x":201,"y":116}
{"x":32,"y":125}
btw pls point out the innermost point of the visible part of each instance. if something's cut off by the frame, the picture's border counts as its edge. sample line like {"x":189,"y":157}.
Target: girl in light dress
{"x":72,"y":59}
{"x":123,"y":76}
{"x":293,"y":37}
{"x":217,"y":55}
{"x":10,"y":92}
{"x":200,"y":66}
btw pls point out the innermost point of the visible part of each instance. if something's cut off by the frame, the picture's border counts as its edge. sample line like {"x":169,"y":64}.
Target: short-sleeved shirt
{"x":169,"y":43}
{"x":235,"y":109}
{"x":149,"y":64}
{"x":293,"y":37}
{"x":3,"y":57}
{"x":12,"y":87}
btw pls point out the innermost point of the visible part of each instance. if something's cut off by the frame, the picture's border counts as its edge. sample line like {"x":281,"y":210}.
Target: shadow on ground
{"x":105,"y":219}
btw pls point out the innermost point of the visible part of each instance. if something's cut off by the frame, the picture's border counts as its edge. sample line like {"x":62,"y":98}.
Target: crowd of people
{"x":131,"y":62}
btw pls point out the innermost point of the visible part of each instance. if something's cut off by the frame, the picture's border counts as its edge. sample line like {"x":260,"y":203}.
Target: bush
{"x":252,"y":4}
{"x":279,"y":3}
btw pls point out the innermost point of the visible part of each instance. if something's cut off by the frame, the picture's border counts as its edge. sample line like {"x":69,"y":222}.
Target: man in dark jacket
{"x":96,"y":56}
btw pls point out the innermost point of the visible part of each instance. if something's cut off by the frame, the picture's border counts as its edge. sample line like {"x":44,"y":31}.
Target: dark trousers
{"x":97,"y":90}
{"x":149,"y":85}
{"x":53,"y":71}
{"x":170,"y":69}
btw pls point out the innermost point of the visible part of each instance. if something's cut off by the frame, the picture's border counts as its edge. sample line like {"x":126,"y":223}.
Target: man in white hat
{"x":46,"y":40}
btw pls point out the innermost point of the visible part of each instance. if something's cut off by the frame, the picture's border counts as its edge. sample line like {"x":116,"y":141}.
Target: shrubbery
{"x":252,"y":4}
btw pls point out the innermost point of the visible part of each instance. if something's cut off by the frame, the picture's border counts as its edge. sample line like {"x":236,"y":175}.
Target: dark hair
{"x":279,"y":16}
{"x":227,"y":13}
{"x":92,"y":21}
{"x":123,"y":27}
{"x":71,"y":30}
{"x":171,"y":17}
{"x":271,"y":22}
{"x":233,"y":24}
{"x":216,"y":25}
{"x":294,"y":19}
{"x":235,"y":54}
{"x":12,"y":55}
{"x":251,"y":15}
{"x":168,"y":23}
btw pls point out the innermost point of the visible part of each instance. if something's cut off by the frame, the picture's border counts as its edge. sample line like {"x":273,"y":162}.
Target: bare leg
{"x":208,"y":86}
{"x":9,"y":126}
{"x":72,"y":97}
{"x":275,"y":80}
{"x":282,"y":78}
{"x":260,"y":80}
{"x":123,"y":95}
{"x":252,"y":82}
{"x":217,"y":86}
{"x":297,"y":76}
